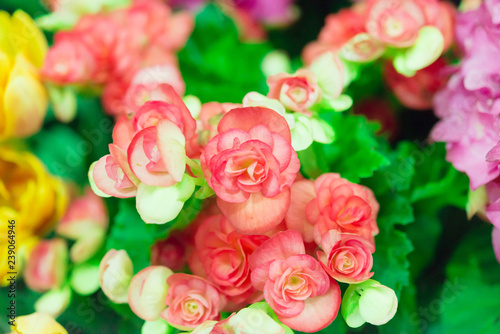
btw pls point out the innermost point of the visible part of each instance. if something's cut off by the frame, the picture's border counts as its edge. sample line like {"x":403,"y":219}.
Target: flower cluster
{"x":410,"y":34}
{"x":109,"y":50}
{"x":327,"y":236}
{"x":468,"y":107}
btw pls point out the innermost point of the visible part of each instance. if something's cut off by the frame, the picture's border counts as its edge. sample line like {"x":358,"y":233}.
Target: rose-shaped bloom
{"x":332,"y":203}
{"x":32,"y":198}
{"x":115,"y":273}
{"x":46,"y":266}
{"x":223,"y":254}
{"x":294,"y":284}
{"x":191,"y":301}
{"x":37,"y":323}
{"x":395,"y":22}
{"x":85,"y":221}
{"x":297,"y":92}
{"x":338,"y":29}
{"x":69,"y":61}
{"x":346,"y":257}
{"x":170,"y":252}
{"x":22,"y":96}
{"x":417,"y":92}
{"x":250,"y":165}
{"x":147,"y":292}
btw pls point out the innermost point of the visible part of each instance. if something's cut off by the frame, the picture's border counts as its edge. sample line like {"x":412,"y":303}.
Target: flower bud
{"x":54,"y":302}
{"x":368,"y":302}
{"x":147,"y":292}
{"x":115,"y":274}
{"x":46,"y":266}
{"x":85,"y":221}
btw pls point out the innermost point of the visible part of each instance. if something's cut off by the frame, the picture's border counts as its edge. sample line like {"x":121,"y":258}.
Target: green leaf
{"x":470,"y":298}
{"x":355,"y":153}
{"x":390,"y":262}
{"x":129,"y":232}
{"x":216,"y":65}
{"x":63,"y":151}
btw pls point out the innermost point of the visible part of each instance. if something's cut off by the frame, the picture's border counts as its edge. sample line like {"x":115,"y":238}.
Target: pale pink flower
{"x":223,"y":254}
{"x":191,"y":301}
{"x":46,"y":265}
{"x":294,"y":284}
{"x":333,"y":204}
{"x":297,"y":92}
{"x":251,"y":165}
{"x":396,"y":23}
{"x":346,"y":257}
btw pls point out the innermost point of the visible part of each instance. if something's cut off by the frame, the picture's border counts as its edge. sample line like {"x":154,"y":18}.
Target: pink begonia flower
{"x":86,"y":221}
{"x":297,"y":92}
{"x":332,"y":203}
{"x":115,"y":274}
{"x":170,"y":252}
{"x":146,"y":85}
{"x":157,"y":154}
{"x":147,"y":292}
{"x":46,"y":265}
{"x":346,"y":257}
{"x":396,"y":23}
{"x":69,"y":60}
{"x":111,"y":175}
{"x":191,"y":301}
{"x":224,"y":253}
{"x":339,"y":28}
{"x":294,"y":284}
{"x":109,"y":49}
{"x":418,"y":91}
{"x":251,"y":165}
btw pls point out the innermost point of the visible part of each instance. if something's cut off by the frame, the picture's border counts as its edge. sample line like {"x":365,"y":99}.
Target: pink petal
{"x":495,"y":236}
{"x":318,"y":313}
{"x":123,"y":132}
{"x":138,"y":162}
{"x":171,"y":141}
{"x":247,"y":118}
{"x":302,"y":192}
{"x":105,"y":183}
{"x":279,"y":247}
{"x":258,"y":214}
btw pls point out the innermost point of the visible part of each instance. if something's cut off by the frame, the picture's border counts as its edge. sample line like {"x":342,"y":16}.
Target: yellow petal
{"x":26,"y":99}
{"x":38,"y":323}
{"x":5,"y":30}
{"x":28,"y":38}
{"x":5,"y":65}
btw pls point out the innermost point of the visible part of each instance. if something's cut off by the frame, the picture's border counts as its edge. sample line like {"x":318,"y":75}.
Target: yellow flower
{"x":31,"y":197}
{"x":23,"y":99}
{"x":37,"y":323}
